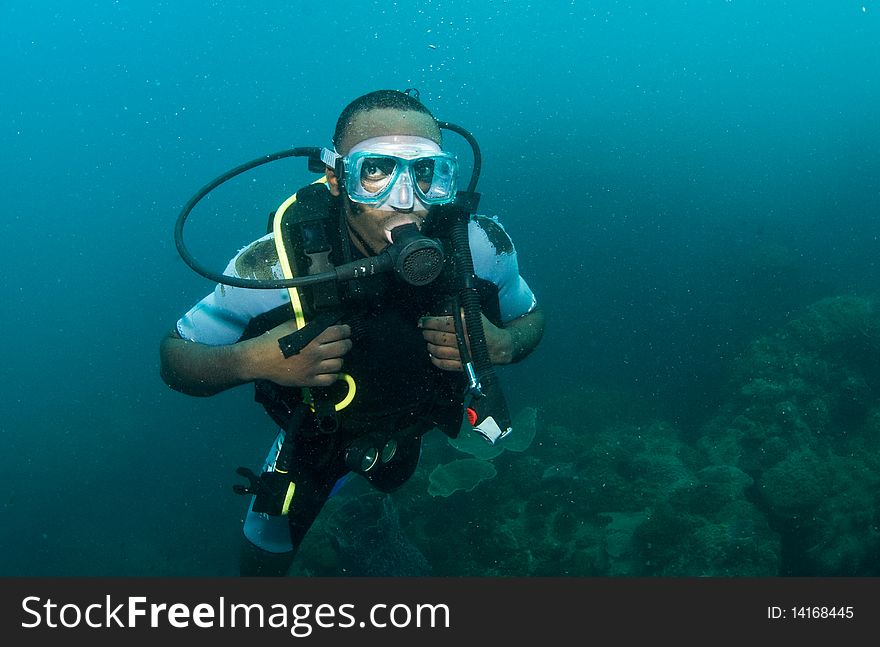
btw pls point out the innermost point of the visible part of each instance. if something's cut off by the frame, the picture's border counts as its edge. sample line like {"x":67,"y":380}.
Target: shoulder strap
{"x":306,"y":236}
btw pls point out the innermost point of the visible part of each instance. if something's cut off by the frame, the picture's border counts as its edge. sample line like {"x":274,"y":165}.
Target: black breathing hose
{"x":490,"y":397}
{"x":475,"y":149}
{"x":312,"y":153}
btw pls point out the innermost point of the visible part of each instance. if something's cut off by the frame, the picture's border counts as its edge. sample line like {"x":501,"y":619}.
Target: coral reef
{"x":801,"y":420}
{"x":365,"y":534}
{"x":783,"y":480}
{"x":461,"y":475}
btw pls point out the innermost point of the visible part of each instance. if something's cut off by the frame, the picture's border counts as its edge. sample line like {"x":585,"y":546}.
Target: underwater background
{"x":694,"y":191}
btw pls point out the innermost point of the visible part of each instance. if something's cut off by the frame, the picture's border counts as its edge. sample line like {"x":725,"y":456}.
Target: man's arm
{"x":202,"y":370}
{"x":198,"y":369}
{"x":506,"y":345}
{"x":516,"y":339}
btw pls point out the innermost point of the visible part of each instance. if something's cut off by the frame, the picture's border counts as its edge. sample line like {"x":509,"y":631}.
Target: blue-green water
{"x":682,"y":179}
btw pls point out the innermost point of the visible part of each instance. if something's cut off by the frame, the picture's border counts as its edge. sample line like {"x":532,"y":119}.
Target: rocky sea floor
{"x":781,"y":481}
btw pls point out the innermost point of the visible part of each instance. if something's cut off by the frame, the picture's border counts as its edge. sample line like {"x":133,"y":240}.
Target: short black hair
{"x":392,"y":99}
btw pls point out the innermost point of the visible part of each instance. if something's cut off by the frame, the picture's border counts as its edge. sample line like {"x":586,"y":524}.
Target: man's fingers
{"x":443,"y":352}
{"x":443,"y":324}
{"x":446,"y":364}
{"x":334,"y":333}
{"x":324,"y":379}
{"x":440,"y":338}
{"x":332,"y":366}
{"x":333,"y":348}
{"x":333,"y":342}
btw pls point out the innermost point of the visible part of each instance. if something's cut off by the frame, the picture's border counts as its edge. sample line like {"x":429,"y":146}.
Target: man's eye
{"x":377,"y":169}
{"x":424,"y":170}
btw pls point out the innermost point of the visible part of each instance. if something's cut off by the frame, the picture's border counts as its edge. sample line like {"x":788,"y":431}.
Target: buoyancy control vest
{"x":388,"y":378}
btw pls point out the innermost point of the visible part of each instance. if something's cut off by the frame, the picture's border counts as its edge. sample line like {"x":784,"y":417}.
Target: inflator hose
{"x":493,"y":399}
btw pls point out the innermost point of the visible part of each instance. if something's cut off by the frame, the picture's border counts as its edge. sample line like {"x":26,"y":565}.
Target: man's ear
{"x":332,"y":182}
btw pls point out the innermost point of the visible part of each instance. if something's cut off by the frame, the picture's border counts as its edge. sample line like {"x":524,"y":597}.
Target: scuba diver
{"x":372,"y":312}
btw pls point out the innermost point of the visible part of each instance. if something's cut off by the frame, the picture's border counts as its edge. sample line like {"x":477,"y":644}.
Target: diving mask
{"x":394,"y":170}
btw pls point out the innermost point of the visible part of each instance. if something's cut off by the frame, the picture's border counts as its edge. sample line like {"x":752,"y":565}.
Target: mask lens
{"x":376,"y":174}
{"x":435,"y":179}
{"x":423,"y":173}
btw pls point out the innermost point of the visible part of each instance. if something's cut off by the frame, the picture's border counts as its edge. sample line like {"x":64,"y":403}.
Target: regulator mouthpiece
{"x":416,"y":258}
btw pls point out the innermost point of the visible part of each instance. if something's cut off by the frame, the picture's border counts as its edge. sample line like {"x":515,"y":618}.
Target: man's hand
{"x":439,"y":333}
{"x":317,"y":364}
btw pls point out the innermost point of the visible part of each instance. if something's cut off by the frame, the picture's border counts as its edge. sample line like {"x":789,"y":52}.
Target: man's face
{"x":373,"y":223}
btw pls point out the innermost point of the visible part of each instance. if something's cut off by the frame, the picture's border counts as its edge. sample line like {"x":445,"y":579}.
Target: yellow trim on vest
{"x":285,"y":507}
{"x":344,"y":402}
{"x":295,"y":301}
{"x":348,"y":396}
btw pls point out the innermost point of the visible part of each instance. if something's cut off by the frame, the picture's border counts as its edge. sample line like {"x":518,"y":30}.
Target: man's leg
{"x":270,"y":541}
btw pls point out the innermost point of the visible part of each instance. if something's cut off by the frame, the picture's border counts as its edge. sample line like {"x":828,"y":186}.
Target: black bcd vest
{"x":396,"y":384}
